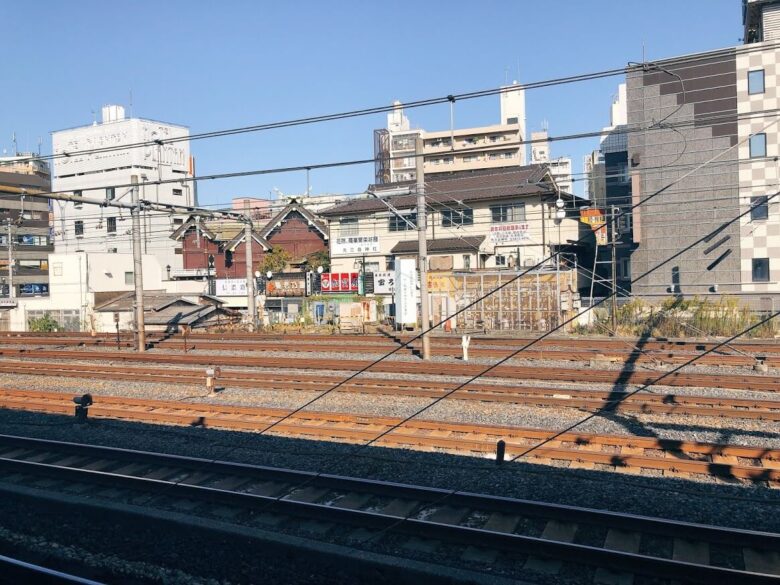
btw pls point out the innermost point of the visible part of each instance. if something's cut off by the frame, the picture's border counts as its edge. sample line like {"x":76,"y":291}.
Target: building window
{"x":348,"y":226}
{"x":759,"y":208}
{"x":390,"y":262}
{"x":758,"y":145}
{"x":756,"y":82}
{"x":511,"y":120}
{"x":177,"y":192}
{"x":129,"y":278}
{"x":113,"y":250}
{"x":397,"y":224}
{"x":457,"y":218}
{"x":110,"y":193}
{"x":466,"y":261}
{"x":508,"y":213}
{"x":77,"y":204}
{"x":79,"y":227}
{"x":111,"y":225}
{"x":760,"y":269}
{"x":178,"y":221}
{"x":500,"y":260}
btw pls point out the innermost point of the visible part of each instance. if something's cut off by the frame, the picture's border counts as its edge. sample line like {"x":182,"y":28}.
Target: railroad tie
{"x":497,"y":522}
{"x":762,"y":561}
{"x":554,"y":530}
{"x":443,"y":515}
{"x":620,"y":540}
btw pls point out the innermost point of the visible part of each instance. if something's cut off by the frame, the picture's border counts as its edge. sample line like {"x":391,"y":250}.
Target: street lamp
{"x":319,"y":269}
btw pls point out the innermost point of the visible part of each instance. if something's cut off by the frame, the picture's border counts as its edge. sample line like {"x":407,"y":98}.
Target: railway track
{"x":18,"y":571}
{"x":587,"y":400}
{"x":605,"y":452}
{"x":493,"y":534}
{"x":613,"y":377}
{"x":490,"y":349}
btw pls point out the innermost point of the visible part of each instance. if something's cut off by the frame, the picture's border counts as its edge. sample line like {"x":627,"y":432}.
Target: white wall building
{"x":560,"y":167}
{"x":457,"y":149}
{"x":90,"y":228}
{"x":79,"y":281}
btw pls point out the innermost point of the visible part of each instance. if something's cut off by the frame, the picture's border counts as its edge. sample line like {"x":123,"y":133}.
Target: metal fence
{"x":67,"y":319}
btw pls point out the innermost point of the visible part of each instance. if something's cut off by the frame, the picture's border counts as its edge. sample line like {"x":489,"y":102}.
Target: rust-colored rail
{"x":613,"y":377}
{"x":590,"y":400}
{"x":581,"y":449}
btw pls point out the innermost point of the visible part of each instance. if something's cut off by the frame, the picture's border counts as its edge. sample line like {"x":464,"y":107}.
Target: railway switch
{"x":82,"y":407}
{"x":211,"y":378}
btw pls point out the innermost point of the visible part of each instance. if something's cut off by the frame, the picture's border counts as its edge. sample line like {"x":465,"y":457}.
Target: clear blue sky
{"x":213,"y":65}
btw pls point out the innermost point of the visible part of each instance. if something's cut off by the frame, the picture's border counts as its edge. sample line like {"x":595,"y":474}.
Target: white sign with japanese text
{"x":346,"y":245}
{"x":231,"y":287}
{"x":509,"y":232}
{"x":406,"y":291}
{"x":384,"y":283}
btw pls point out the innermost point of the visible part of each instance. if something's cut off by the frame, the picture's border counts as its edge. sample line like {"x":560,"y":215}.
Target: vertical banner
{"x":406,"y":291}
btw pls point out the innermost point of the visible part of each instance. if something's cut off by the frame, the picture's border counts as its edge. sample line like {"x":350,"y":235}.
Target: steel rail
{"x":673,"y":456}
{"x":591,"y":400}
{"x":25,"y":460}
{"x":735,"y":381}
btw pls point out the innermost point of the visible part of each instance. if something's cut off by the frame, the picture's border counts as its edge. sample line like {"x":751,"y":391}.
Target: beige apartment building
{"x":486,"y":147}
{"x":489,"y":219}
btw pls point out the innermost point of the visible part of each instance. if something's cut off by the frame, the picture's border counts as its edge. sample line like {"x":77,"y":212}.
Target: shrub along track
{"x":609,"y":452}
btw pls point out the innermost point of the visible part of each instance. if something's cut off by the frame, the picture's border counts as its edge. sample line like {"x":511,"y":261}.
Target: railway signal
{"x":82,"y":406}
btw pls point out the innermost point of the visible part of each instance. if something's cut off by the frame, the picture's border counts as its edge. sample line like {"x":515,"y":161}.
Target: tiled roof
{"x":464,"y":186}
{"x":441,"y":246}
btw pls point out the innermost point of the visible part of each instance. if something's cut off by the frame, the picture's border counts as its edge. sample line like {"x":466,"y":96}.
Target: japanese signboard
{"x":339,"y":282}
{"x":286,"y":285}
{"x":509,"y":232}
{"x":594,"y":217}
{"x":406,"y":291}
{"x":384,"y":282}
{"x":231,"y":287}
{"x":346,"y":245}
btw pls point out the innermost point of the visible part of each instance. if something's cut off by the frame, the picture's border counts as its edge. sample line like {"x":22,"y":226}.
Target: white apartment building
{"x":560,"y":167}
{"x":91,"y":228}
{"x":485,"y":147}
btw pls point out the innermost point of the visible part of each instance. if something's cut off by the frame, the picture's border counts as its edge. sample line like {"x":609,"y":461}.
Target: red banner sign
{"x":339,"y":282}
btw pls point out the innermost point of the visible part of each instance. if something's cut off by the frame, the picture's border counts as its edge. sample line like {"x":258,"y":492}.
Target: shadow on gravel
{"x":744,"y":505}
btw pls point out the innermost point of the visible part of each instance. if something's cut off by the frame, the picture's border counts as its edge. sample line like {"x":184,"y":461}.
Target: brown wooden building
{"x":295,"y":229}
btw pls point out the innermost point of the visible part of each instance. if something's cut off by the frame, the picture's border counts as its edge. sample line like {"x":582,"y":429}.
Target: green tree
{"x":315,"y":259}
{"x":45,"y":324}
{"x":276,"y":260}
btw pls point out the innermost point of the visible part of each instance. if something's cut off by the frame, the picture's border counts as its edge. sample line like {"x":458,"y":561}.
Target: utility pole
{"x":422,"y":248}
{"x":250,"y":277}
{"x":613,"y":307}
{"x":138,"y":276}
{"x":11,"y":290}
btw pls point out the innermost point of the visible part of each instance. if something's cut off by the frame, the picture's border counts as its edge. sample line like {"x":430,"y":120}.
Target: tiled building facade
{"x":718,"y":108}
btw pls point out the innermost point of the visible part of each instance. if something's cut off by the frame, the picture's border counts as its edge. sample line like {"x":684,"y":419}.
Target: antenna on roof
{"x":94,"y":117}
{"x":16,"y":148}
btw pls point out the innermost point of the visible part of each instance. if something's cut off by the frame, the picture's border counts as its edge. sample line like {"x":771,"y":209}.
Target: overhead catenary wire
{"x":514,"y":278}
{"x":628,"y":69}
